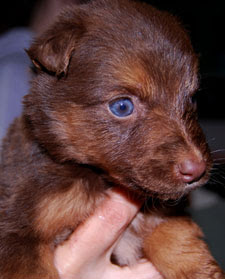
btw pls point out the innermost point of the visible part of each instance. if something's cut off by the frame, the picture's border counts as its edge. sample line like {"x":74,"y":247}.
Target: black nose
{"x":191,"y":170}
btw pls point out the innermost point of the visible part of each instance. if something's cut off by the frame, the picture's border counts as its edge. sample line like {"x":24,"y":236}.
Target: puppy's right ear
{"x":53,"y":49}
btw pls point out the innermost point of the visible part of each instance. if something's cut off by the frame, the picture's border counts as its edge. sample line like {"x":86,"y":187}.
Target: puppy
{"x":110,"y":104}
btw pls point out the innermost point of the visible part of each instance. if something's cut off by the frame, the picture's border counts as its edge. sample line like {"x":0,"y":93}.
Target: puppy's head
{"x":114,"y":89}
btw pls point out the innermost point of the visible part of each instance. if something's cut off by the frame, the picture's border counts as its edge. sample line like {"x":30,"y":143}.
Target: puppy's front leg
{"x":177,"y":250}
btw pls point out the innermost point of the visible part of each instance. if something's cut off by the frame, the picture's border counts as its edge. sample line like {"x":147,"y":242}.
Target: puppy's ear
{"x":52,"y":50}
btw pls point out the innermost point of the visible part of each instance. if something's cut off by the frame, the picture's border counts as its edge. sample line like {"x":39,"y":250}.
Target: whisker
{"x":211,"y":140}
{"x":218,"y":150}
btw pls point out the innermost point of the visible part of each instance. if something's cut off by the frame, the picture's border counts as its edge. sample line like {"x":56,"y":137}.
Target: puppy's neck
{"x":32,"y":160}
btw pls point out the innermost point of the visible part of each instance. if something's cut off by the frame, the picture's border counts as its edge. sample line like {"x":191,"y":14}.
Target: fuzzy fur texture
{"x":67,"y":148}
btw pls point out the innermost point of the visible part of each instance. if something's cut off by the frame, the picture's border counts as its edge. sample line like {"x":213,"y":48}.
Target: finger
{"x":108,"y":222}
{"x":98,"y":233}
{"x":144,"y":270}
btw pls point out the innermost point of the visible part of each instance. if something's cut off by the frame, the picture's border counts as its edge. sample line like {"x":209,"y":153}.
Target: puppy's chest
{"x":129,"y":248}
{"x":61,"y":212}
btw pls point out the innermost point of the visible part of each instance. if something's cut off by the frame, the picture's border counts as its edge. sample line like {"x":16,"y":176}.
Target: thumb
{"x":99,"y":232}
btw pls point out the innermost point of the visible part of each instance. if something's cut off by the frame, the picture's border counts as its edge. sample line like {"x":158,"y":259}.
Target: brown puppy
{"x":111,"y":102}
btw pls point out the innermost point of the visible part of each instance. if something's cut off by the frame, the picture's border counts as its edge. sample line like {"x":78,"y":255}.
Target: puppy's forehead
{"x":147,"y":50}
{"x":152,"y":77}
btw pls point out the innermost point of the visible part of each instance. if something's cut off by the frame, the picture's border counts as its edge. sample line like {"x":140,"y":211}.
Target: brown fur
{"x":67,"y":148}
{"x":196,"y":261}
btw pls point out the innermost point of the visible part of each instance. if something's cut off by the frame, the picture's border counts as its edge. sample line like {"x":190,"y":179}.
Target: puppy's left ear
{"x":53,"y":49}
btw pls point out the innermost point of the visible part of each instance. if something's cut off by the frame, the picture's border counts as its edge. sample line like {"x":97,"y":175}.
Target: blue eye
{"x":122,"y":107}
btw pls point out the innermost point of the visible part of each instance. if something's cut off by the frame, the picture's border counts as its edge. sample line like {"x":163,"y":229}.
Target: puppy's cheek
{"x":74,"y":134}
{"x":89,"y":136}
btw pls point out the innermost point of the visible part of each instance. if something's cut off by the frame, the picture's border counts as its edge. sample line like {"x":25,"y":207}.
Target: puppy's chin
{"x":161,"y":191}
{"x":177,"y":194}
{"x":146,"y":193}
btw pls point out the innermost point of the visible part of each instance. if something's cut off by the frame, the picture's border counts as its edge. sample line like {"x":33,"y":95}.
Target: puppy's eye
{"x":122,"y":107}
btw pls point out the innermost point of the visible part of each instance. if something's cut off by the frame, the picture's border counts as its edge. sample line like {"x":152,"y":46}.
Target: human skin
{"x":86,"y":255}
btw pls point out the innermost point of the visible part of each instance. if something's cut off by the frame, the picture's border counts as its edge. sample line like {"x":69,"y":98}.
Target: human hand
{"x":86,"y":255}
